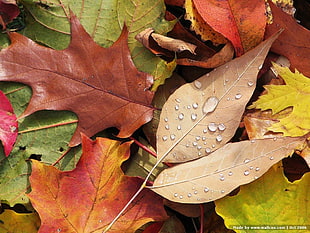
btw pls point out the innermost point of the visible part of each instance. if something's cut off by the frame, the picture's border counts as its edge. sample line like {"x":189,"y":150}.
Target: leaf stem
{"x":125,"y":207}
{"x":48,"y":126}
{"x":144,"y":147}
{"x":62,"y":156}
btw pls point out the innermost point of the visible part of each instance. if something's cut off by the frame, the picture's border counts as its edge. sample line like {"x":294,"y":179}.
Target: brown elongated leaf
{"x":101,"y":85}
{"x":214,"y":176}
{"x":202,"y":116}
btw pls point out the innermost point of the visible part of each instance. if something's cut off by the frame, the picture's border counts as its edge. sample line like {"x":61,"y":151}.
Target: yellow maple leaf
{"x":296,"y":94}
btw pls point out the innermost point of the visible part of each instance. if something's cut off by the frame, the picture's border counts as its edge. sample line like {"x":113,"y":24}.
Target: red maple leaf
{"x":8,"y":124}
{"x":88,"y":198}
{"x":101,"y":85}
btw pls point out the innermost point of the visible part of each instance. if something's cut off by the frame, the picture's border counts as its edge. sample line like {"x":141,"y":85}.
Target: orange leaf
{"x":241,"y":21}
{"x":87,"y":198}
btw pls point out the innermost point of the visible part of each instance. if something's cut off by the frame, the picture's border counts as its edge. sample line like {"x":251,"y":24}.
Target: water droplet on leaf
{"x":210,"y":104}
{"x":238,"y":96}
{"x":219,"y":138}
{"x":246,"y":173}
{"x":165,"y":138}
{"x":172,"y":136}
{"x":194,"y":116}
{"x":181,"y":116}
{"x":212,"y":127}
{"x":195,"y":105}
{"x":206,"y":190}
{"x":177,"y":107}
{"x":221,"y":127}
{"x":250,"y":83}
{"x":197,"y":84}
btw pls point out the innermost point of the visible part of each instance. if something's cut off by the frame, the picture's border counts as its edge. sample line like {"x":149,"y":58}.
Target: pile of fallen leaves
{"x":166,"y":116}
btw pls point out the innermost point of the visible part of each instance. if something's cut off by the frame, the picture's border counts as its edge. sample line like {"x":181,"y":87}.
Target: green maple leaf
{"x":296,"y":94}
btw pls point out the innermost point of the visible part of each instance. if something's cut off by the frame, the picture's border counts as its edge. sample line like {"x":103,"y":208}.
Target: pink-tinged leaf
{"x":8,"y":124}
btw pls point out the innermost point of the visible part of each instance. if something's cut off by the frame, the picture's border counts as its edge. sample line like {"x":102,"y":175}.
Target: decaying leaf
{"x":81,"y":78}
{"x":293,"y":43}
{"x":271,"y":201}
{"x":87,"y":198}
{"x":240,"y":22}
{"x":202,"y":116}
{"x":8,"y":124}
{"x":8,"y":11}
{"x":296,"y":94}
{"x":214,"y":176}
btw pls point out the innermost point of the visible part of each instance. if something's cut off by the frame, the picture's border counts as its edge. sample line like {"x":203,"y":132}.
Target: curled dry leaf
{"x":163,"y":42}
{"x":214,"y":176}
{"x":202,"y":116}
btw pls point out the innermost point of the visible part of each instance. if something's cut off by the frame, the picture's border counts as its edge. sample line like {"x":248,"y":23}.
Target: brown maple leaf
{"x":101,"y":85}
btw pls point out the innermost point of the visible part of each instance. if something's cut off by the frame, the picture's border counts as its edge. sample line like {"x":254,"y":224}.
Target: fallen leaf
{"x":293,"y":43}
{"x":12,"y":222}
{"x":296,"y":94}
{"x":270,"y":201}
{"x":8,"y":124}
{"x":240,"y":22}
{"x":81,"y":78}
{"x":201,"y":116}
{"x":8,"y":11}
{"x":214,"y":176}
{"x":100,"y":190}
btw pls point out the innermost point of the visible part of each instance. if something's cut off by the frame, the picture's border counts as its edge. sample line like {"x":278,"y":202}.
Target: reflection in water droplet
{"x":180,"y":196}
{"x":253,"y":141}
{"x":251,"y":167}
{"x":246,"y":160}
{"x":238,"y":96}
{"x":178,"y":100}
{"x":188,"y":107}
{"x":212,"y":127}
{"x":250,"y":83}
{"x":197,"y":138}
{"x":222,"y":191}
{"x":206,"y":190}
{"x":275,"y":138}
{"x":167,"y":127}
{"x":199,"y":147}
{"x":228,"y":98}
{"x":179,"y":127}
{"x":210,"y":104}
{"x":177,"y":107}
{"x":271,"y":158}
{"x":181,"y":116}
{"x":195,"y":143}
{"x":166,"y":119}
{"x":205,"y":131}
{"x":222,"y":178}
{"x":172,"y":137}
{"x":213,"y":145}
{"x":246,"y":173}
{"x":260,"y":67}
{"x":194,"y":116}
{"x":207,"y":74}
{"x":195,"y":192}
{"x":219,"y":138}
{"x":221,"y":127}
{"x":175,"y":195}
{"x":208,"y":150}
{"x":257,"y":169}
{"x":203,"y":138}
{"x":230,"y":173}
{"x":226,"y":67}
{"x":187,"y":144}
{"x":189,"y":195}
{"x":195,"y":105}
{"x":165,"y":138}
{"x":197,"y":84}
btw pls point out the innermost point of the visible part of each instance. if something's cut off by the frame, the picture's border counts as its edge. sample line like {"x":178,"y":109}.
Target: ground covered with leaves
{"x":177,"y":116}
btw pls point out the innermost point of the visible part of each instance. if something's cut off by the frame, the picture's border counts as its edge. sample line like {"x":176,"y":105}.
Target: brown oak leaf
{"x":101,"y":85}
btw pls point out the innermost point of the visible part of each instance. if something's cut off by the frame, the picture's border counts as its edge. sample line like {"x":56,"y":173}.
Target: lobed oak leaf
{"x":87,"y":198}
{"x":101,"y":85}
{"x":8,"y":124}
{"x":295,"y":93}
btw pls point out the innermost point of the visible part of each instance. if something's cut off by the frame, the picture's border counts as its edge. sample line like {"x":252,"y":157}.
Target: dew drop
{"x":238,"y":96}
{"x":189,"y":195}
{"x":260,"y":67}
{"x":199,"y":153}
{"x":246,"y":160}
{"x":271,"y":158}
{"x":228,"y":98}
{"x":210,"y":104}
{"x":166,"y":127}
{"x":194,"y":116}
{"x":219,"y":138}
{"x":179,"y":127}
{"x":212,"y":127}
{"x":166,"y":119}
{"x":253,"y":141}
{"x":196,"y":192}
{"x":205,"y":131}
{"x":222,"y":191}
{"x":222,"y":178}
{"x":207,"y":74}
{"x":178,"y":100}
{"x":203,"y":138}
{"x":199,"y":148}
{"x":230,"y":173}
{"x":251,"y":167}
{"x":177,"y":107}
{"x":257,"y":169}
{"x":205,"y":143}
{"x":181,"y":116}
{"x":206,"y":190}
{"x":221,"y":127}
{"x":226,"y":67}
{"x":197,"y":84}
{"x":197,"y":138}
{"x":275,"y":138}
{"x":195,"y":143}
{"x":255,"y":177}
{"x":250,"y":83}
{"x":181,"y":197}
{"x":164,"y":138}
{"x":100,"y":221}
{"x":195,"y":105}
{"x":246,"y":173}
{"x":213,"y":146}
{"x":208,"y":150}
{"x":172,"y":137}
{"x":188,"y":107}
{"x":187,"y":144}
{"x":175,"y":195}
